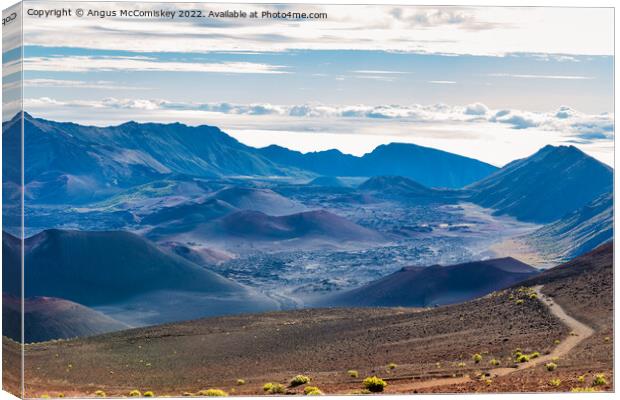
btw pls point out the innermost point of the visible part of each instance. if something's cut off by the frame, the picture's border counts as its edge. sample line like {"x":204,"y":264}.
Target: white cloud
{"x":439,"y":30}
{"x":527,"y":76}
{"x":476,"y":109}
{"x":378,"y":72}
{"x":442,"y":82}
{"x":118,"y":63}
{"x":76,"y":84}
{"x":567,"y":121}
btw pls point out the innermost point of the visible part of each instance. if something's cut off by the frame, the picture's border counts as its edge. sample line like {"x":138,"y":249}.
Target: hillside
{"x":430,"y":167}
{"x":432,"y":348}
{"x":577,"y":232}
{"x":435,"y":285}
{"x":71,"y":162}
{"x":545,"y":186}
{"x":47,"y":318}
{"x":254,"y":225}
{"x":126,"y":277}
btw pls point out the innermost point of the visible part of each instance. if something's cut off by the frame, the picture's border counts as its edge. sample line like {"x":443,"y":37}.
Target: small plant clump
{"x":299,"y":380}
{"x":213,"y":393}
{"x":135,"y":393}
{"x":555,"y":382}
{"x":523,"y":358}
{"x":45,"y":396}
{"x":583,"y":390}
{"x":533,"y":296}
{"x":392,"y":366}
{"x":581,"y":379}
{"x":535,"y":355}
{"x":149,"y":393}
{"x":556,"y":342}
{"x":477,"y":358}
{"x":461,"y":364}
{"x":100,"y":393}
{"x":519,"y":302}
{"x":488,"y":382}
{"x":240,"y":382}
{"x":61,"y":395}
{"x":494,"y":362}
{"x":374,"y":384}
{"x":312,"y":391}
{"x":353,"y":373}
{"x":607,"y":338}
{"x":273,"y":388}
{"x":599,"y":380}
{"x":551,"y":366}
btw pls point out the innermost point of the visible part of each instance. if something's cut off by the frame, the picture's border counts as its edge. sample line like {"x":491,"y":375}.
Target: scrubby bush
{"x":374,"y":384}
{"x":477,"y":358}
{"x":581,"y":379}
{"x":556,"y":342}
{"x":533,"y":296}
{"x":551,"y":366}
{"x":488,"y":382}
{"x":555,"y":382}
{"x":299,"y":380}
{"x":100,"y":393}
{"x":523,"y":358}
{"x":392,"y":366}
{"x":535,"y":355}
{"x":135,"y":393}
{"x":312,"y":391}
{"x":607,"y":338}
{"x":149,"y":393}
{"x":583,"y":389}
{"x":511,"y":297}
{"x":519,"y":302}
{"x":460,"y":365}
{"x":599,"y":380}
{"x":213,"y":393}
{"x":353,"y":373}
{"x":240,"y":382}
{"x":45,"y":396}
{"x":273,"y":388}
{"x":494,"y":362}
{"x":61,"y":395}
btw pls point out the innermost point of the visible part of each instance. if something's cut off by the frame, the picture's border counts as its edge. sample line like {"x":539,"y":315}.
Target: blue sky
{"x":482,"y":82}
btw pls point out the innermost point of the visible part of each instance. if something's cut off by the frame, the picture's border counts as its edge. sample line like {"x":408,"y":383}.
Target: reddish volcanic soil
{"x":432,"y":348}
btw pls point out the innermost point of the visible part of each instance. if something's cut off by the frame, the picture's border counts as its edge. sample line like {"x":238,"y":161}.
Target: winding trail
{"x":579,"y":333}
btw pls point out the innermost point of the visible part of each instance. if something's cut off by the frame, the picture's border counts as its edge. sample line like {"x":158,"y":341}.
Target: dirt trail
{"x":579,"y":332}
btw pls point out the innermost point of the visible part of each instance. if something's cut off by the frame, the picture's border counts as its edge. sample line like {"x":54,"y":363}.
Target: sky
{"x":493,"y":83}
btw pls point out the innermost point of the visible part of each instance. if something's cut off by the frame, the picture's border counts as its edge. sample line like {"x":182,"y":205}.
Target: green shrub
{"x":45,"y":396}
{"x":149,"y":393}
{"x":523,"y":358}
{"x":374,"y":384}
{"x":488,"y":382}
{"x":583,"y":389}
{"x":240,"y":382}
{"x":556,"y":342}
{"x":533,"y":296}
{"x":312,"y":391}
{"x":353,"y":373}
{"x":581,"y":379}
{"x":477,"y":358}
{"x":599,"y":379}
{"x":135,"y":393}
{"x":535,"y":355}
{"x":551,"y":366}
{"x":61,"y":395}
{"x":519,"y":302}
{"x":273,"y":388}
{"x":299,"y":380}
{"x":100,"y":393}
{"x":460,"y":365}
{"x":494,"y":362}
{"x":555,"y":382}
{"x":213,"y":393}
{"x":392,"y":366}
